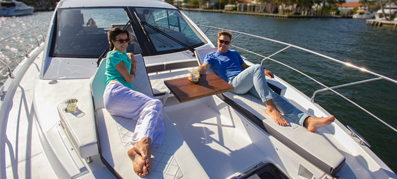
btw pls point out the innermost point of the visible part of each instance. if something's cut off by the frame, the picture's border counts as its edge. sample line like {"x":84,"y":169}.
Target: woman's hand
{"x":133,"y":62}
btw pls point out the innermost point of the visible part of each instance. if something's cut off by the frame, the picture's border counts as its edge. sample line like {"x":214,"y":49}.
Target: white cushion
{"x":140,"y":83}
{"x":173,"y":159}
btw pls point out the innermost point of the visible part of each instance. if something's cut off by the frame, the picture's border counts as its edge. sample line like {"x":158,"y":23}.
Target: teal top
{"x":113,"y":58}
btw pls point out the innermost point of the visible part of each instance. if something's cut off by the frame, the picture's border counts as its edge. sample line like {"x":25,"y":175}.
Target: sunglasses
{"x":123,"y":40}
{"x":222,"y":41}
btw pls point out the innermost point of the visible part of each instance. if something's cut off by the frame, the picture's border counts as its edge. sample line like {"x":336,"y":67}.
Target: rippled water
{"x":11,"y":51}
{"x":345,"y":39}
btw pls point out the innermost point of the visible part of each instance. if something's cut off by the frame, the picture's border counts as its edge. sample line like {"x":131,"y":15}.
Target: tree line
{"x":304,"y":5}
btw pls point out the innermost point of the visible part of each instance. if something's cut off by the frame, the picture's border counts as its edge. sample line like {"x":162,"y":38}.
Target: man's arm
{"x":202,"y":69}
{"x":244,"y":66}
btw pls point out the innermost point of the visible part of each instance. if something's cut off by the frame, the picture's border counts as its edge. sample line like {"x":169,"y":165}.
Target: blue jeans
{"x":253,"y":81}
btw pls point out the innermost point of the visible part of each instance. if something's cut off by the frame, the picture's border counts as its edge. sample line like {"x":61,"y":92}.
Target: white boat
{"x":219,"y":136}
{"x":15,"y":8}
{"x":363,"y":14}
{"x":388,"y":9}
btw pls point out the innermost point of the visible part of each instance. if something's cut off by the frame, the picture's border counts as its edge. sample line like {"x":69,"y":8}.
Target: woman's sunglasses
{"x":123,"y":40}
{"x":222,"y":41}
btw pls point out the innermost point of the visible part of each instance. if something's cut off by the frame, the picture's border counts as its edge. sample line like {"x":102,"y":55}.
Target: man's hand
{"x":190,"y":77}
{"x":268,"y":73}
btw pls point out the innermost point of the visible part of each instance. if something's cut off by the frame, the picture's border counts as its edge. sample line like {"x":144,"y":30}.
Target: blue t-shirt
{"x":225,"y":65}
{"x":114,"y":58}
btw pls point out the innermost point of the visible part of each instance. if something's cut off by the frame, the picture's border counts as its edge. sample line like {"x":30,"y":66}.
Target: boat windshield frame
{"x":71,"y":50}
{"x":87,"y":37}
{"x":151,"y":39}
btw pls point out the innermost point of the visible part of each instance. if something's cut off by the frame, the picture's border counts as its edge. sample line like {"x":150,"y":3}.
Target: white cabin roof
{"x":113,"y":3}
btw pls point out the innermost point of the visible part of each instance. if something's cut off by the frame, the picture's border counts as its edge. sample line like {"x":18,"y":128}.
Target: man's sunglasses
{"x":123,"y":40}
{"x":222,"y":41}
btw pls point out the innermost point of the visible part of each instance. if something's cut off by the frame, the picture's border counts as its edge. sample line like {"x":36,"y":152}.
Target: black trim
{"x":171,"y":66}
{"x":269,"y":169}
{"x":274,"y":88}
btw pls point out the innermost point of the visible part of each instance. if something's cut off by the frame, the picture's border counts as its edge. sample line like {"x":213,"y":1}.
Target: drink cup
{"x":72,"y":106}
{"x":196,"y":76}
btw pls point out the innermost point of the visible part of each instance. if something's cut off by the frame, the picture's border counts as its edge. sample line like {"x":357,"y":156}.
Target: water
{"x":348,"y":40}
{"x":11,"y":52}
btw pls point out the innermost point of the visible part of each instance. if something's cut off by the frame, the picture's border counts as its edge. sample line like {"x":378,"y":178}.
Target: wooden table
{"x":209,"y":84}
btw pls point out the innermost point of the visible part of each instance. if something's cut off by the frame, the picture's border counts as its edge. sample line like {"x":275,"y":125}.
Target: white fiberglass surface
{"x":214,"y":135}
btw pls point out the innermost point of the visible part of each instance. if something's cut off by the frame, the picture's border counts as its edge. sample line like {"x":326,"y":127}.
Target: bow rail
{"x":326,"y":88}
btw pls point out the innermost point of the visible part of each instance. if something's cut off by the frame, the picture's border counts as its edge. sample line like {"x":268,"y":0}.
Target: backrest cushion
{"x":141,"y":82}
{"x":201,"y":53}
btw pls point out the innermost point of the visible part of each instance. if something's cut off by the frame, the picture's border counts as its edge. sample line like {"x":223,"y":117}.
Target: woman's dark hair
{"x":115,"y":32}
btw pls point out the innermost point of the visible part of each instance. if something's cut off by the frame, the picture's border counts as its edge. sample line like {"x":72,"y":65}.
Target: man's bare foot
{"x":275,"y":114}
{"x":314,"y":123}
{"x":143,"y":149}
{"x":138,"y":163}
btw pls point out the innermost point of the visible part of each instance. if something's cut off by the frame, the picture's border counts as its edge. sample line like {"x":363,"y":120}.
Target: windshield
{"x":172,"y":23}
{"x":83,"y":32}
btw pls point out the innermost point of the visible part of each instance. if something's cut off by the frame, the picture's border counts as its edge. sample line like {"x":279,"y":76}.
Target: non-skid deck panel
{"x":173,"y":159}
{"x":214,"y":138}
{"x":310,"y":145}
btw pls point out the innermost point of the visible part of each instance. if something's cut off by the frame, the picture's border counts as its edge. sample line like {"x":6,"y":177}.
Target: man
{"x":73,"y":27}
{"x":229,"y":66}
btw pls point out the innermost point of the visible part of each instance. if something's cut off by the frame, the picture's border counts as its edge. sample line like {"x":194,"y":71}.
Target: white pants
{"x":122,"y":101}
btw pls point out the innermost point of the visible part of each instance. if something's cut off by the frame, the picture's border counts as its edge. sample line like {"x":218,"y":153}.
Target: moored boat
{"x":15,"y":8}
{"x":219,"y":136}
{"x":363,"y":14}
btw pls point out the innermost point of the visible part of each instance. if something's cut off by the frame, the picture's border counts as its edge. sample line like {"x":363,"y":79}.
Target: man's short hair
{"x":223,"y":32}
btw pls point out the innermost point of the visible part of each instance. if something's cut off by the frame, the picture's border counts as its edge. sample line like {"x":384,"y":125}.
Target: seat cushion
{"x":173,"y":159}
{"x":310,"y":145}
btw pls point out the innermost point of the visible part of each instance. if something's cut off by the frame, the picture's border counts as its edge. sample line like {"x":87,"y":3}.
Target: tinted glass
{"x":170,"y":22}
{"x":83,"y":32}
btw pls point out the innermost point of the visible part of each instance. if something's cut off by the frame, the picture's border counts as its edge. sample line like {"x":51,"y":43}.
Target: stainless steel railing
{"x":326,"y":88}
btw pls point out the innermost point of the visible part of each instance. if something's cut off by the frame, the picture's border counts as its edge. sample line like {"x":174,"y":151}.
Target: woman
{"x":121,"y":100}
{"x":91,"y":23}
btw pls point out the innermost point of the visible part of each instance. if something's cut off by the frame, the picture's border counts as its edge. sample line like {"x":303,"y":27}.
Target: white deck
{"x":215,"y":137}
{"x":24,"y":152}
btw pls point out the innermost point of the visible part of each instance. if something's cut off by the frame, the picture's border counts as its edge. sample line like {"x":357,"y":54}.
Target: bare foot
{"x":143,"y":149}
{"x":314,"y":123}
{"x":275,"y":114}
{"x":138,"y":163}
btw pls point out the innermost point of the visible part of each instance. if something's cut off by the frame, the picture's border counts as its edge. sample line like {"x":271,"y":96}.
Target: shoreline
{"x":260,"y":13}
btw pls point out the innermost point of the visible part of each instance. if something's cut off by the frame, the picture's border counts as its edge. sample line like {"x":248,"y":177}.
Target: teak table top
{"x":209,"y":84}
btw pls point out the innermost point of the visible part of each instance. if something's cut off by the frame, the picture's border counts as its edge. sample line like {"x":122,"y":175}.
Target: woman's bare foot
{"x":138,"y":163}
{"x":275,"y":114}
{"x":143,"y":149}
{"x":314,"y":123}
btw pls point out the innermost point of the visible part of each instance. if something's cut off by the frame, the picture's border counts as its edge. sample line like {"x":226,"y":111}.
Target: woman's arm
{"x":123,"y":70}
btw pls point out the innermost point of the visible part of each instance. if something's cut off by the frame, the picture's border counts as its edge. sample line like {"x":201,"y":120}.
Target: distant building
{"x":178,"y":3}
{"x":347,"y":8}
{"x":269,"y":7}
{"x":254,"y":6}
